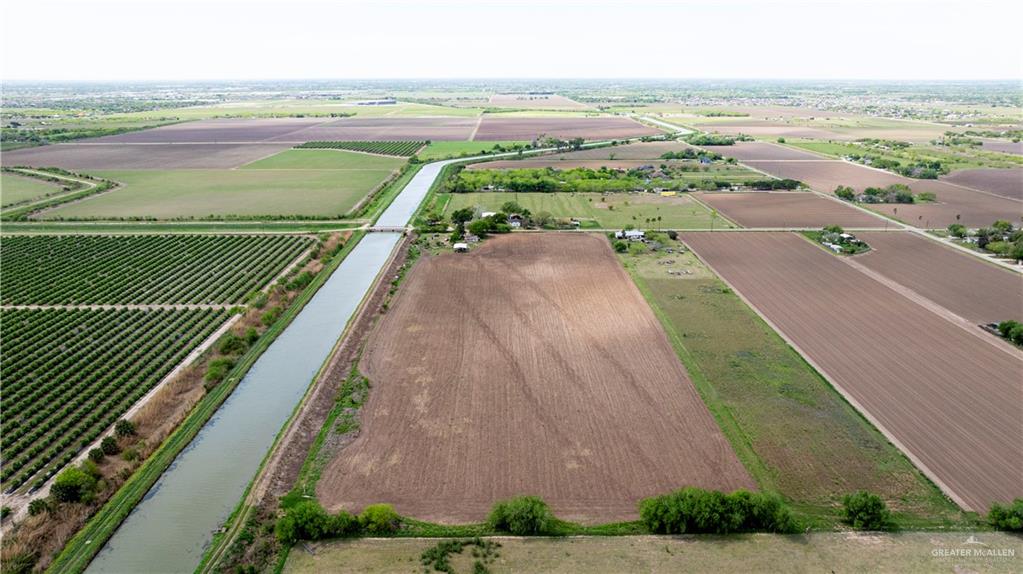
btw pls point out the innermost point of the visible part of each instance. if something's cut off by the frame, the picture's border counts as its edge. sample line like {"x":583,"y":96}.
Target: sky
{"x":88,"y":40}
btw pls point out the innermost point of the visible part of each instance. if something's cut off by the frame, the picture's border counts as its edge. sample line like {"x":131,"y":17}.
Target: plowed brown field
{"x":787,"y":209}
{"x":745,"y":151}
{"x":975,"y":209}
{"x":214,"y":131}
{"x":142,"y":156}
{"x":530,"y":366}
{"x":969,"y":287}
{"x":948,"y":397}
{"x":386,"y":129}
{"x":1004,"y":182}
{"x":536,"y":101}
{"x":595,"y":128}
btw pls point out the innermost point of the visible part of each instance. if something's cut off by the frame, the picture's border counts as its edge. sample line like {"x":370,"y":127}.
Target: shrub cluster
{"x":1012,"y":330}
{"x":522,"y":516}
{"x":1007,"y":517}
{"x":307,"y":520}
{"x":866,"y":511}
{"x":695,"y":510}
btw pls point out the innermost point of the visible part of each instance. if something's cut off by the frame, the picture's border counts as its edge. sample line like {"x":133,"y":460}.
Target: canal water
{"x":170,"y":528}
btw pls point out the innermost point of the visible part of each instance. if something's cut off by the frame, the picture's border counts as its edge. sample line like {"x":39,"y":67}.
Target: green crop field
{"x":141,"y":269}
{"x":326,"y":159}
{"x":70,"y":373}
{"x":442,"y":150}
{"x":252,"y":193}
{"x":794,"y":433}
{"x":17,"y":189}
{"x":595,"y":210}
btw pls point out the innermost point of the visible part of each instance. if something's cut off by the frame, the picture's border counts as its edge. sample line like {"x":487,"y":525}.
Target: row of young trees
{"x":895,"y":193}
{"x":139,"y":269}
{"x":689,"y":510}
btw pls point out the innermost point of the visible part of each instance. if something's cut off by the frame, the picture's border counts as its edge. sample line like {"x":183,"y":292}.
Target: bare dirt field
{"x":214,"y":131}
{"x":948,"y":396}
{"x":744,"y":151}
{"x":536,"y":101}
{"x":1003,"y":146}
{"x":532,"y":365}
{"x":787,"y":209}
{"x":142,"y":156}
{"x":507,"y":129}
{"x":841,"y":552}
{"x":975,"y":209}
{"x":778,"y":130}
{"x":386,"y":129}
{"x":964,"y":284}
{"x":1004,"y":182}
{"x":638,"y":150}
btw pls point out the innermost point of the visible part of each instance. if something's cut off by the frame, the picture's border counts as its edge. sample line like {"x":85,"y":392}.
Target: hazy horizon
{"x":264,"y":40}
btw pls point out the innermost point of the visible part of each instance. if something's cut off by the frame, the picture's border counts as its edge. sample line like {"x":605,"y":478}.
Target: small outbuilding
{"x":630,"y":234}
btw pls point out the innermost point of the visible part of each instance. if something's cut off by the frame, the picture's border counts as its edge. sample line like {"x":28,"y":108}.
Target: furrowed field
{"x":70,"y":373}
{"x":793,"y":432}
{"x":141,"y":269}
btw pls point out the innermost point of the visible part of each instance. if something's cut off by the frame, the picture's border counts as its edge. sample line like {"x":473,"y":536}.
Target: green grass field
{"x":597,"y":211}
{"x":16,"y":189}
{"x":326,"y":159}
{"x":792,"y":431}
{"x":442,"y":150}
{"x":194,"y":193}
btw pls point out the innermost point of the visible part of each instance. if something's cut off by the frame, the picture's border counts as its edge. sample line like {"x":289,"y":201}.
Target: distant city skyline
{"x":120,"y":40}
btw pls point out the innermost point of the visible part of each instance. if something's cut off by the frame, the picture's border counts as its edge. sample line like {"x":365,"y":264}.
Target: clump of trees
{"x":715,"y":139}
{"x":867,"y":511}
{"x":1001,"y":238}
{"x":1012,"y":330}
{"x":692,"y":153}
{"x":895,"y":193}
{"x":695,"y":510}
{"x":307,"y":520}
{"x":773,"y":184}
{"x":1009,"y":517}
{"x":77,"y":483}
{"x":522,"y":516}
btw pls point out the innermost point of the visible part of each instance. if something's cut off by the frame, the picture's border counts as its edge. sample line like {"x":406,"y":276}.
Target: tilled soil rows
{"x":973,"y":208}
{"x":532,"y":365}
{"x":142,"y":156}
{"x":788,"y":209}
{"x":946,"y":394}
{"x":595,"y":128}
{"x":966,"y":285}
{"x":1004,"y":182}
